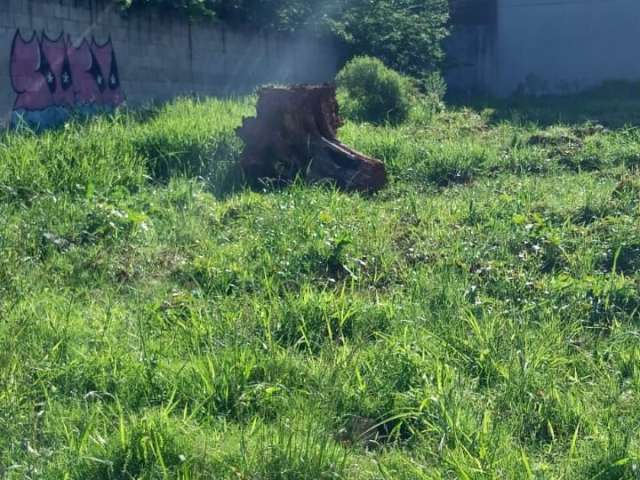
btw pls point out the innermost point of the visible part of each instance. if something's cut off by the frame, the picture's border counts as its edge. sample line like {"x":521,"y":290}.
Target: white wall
{"x":471,"y":52}
{"x":550,"y":46}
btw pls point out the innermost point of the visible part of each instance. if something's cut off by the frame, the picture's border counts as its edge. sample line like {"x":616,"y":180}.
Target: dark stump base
{"x":294,"y":134}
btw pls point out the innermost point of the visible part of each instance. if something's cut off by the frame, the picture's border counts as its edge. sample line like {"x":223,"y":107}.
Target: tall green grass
{"x":126,"y":150}
{"x":476,"y":319}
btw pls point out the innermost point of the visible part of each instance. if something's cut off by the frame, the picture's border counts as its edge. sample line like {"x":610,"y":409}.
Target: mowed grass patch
{"x":476,"y":319}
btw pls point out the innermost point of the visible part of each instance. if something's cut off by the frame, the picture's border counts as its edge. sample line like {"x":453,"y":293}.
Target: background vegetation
{"x":476,"y":319}
{"x":369,"y":91}
{"x":382,"y":28}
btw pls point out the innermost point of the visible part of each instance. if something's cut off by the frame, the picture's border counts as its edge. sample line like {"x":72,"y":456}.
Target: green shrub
{"x":369,"y":91}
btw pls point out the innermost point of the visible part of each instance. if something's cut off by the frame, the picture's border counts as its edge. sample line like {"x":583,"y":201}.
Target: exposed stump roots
{"x":294,"y":134}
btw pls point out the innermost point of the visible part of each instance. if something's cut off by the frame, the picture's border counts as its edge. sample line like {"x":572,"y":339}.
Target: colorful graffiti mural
{"x":52,"y":77}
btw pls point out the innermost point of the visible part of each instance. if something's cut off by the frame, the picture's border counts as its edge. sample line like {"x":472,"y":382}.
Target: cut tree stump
{"x":294,"y":134}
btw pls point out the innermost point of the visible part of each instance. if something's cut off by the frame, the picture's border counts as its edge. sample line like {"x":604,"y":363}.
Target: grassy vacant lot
{"x":477,"y":319}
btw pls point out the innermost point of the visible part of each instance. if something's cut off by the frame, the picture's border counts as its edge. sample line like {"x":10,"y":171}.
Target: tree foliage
{"x":261,"y":14}
{"x":405,"y":34}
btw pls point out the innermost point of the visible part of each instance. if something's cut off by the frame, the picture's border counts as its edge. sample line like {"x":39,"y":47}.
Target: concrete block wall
{"x":472,"y":66}
{"x":161,"y":56}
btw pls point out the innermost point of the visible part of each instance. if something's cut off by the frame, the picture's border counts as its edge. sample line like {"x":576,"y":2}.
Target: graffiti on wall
{"x":53,"y":76}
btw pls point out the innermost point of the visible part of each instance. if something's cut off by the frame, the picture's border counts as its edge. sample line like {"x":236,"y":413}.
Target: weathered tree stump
{"x":294,"y":134}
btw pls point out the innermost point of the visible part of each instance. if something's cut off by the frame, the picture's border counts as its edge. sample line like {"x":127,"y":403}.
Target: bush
{"x":369,"y":91}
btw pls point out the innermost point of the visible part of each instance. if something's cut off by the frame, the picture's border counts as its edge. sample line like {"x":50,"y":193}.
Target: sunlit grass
{"x":476,"y":319}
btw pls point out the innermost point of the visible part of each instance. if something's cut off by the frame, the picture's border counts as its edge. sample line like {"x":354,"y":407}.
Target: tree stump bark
{"x":294,"y":134}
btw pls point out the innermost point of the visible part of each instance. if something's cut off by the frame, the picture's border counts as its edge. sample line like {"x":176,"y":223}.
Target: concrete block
{"x":23,"y":22}
{"x":19,"y":6}
{"x":174,"y":40}
{"x":132,"y":33}
{"x":6,"y":37}
{"x":203,"y":58}
{"x":180,"y":76}
{"x":39,"y":22}
{"x":182,"y":45}
{"x":142,"y":32}
{"x":5,"y":6}
{"x":6,"y":19}
{"x":179,"y":30}
{"x":118,"y":34}
{"x":60,"y":10}
{"x":54,"y":26}
{"x":111,"y":15}
{"x":162,"y":28}
{"x":199,"y":36}
{"x":160,"y":36}
{"x":73,"y":28}
{"x":101,"y":33}
{"x":181,"y":57}
{"x":145,"y":61}
{"x":140,"y":73}
{"x":43,"y":10}
{"x":120,"y":47}
{"x":79,"y":12}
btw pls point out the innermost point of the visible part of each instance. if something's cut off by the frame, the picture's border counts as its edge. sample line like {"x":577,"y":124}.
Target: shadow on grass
{"x":614,"y":104}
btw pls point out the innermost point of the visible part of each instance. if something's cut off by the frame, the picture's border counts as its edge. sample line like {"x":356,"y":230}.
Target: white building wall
{"x":564,"y":46}
{"x":548,"y":47}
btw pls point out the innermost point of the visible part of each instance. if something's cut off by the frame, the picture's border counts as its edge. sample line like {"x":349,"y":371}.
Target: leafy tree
{"x":282,"y":15}
{"x":405,"y":34}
